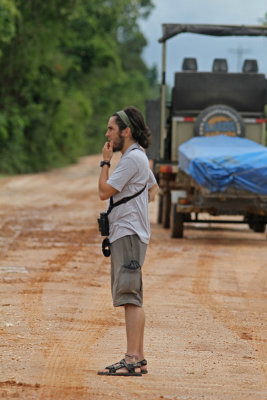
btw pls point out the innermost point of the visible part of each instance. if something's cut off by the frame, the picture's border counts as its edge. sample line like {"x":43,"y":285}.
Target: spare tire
{"x":219,"y":120}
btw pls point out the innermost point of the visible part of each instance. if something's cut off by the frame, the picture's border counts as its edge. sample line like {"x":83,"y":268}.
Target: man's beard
{"x":118,"y":145}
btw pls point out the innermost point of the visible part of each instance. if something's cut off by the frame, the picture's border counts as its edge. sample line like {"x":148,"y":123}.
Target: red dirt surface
{"x":205,"y":301}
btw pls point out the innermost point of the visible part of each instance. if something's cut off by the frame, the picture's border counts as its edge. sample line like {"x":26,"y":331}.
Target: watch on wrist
{"x":105,"y":163}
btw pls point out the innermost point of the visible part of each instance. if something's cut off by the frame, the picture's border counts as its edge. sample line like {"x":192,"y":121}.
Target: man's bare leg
{"x":141,"y":347}
{"x":135,"y":325}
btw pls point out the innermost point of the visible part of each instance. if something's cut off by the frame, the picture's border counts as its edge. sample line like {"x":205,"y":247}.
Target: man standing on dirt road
{"x":129,"y":229}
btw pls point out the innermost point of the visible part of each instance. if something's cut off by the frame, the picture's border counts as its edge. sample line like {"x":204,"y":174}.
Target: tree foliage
{"x":65,"y":67}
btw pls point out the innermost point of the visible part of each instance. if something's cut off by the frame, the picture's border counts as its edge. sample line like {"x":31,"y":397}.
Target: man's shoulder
{"x":136,"y":154}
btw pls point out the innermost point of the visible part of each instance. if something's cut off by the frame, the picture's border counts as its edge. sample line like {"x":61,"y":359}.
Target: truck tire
{"x":219,"y":120}
{"x":166,"y":209}
{"x":177,"y":223}
{"x":255,"y":223}
{"x":258,"y":227}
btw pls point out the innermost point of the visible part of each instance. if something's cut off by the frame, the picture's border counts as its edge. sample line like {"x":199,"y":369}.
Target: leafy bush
{"x":65,"y":67}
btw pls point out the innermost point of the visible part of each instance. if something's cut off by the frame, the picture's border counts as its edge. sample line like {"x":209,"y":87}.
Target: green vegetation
{"x":66,"y":65}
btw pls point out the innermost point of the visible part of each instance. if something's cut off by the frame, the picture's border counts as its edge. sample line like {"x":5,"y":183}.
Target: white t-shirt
{"x":130,"y":175}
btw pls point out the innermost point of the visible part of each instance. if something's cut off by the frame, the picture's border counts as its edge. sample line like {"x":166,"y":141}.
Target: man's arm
{"x":152,"y":192}
{"x":104,"y":189}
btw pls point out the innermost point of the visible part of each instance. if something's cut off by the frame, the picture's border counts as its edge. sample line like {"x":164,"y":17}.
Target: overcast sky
{"x":205,"y":48}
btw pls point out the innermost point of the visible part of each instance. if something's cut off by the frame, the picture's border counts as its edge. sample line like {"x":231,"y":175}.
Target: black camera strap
{"x":124,"y":200}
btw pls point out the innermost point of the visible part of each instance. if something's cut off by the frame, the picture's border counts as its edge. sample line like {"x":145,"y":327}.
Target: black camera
{"x":103,"y":224}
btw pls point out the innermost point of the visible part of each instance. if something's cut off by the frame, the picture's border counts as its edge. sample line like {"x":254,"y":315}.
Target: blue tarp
{"x":219,"y":162}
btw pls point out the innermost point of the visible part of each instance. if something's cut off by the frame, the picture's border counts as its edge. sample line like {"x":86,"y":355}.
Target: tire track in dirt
{"x":65,"y":355}
{"x":13,"y":223}
{"x":68,"y":363}
{"x":36,"y":285}
{"x":59,"y":355}
{"x":201,"y":288}
{"x":257,"y":293}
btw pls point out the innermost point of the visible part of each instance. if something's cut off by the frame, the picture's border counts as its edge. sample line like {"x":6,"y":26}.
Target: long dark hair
{"x":140,"y":132}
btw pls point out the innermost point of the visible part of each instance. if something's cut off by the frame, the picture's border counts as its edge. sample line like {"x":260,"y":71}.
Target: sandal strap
{"x":115,"y":367}
{"x":143,"y":362}
{"x":130,"y":367}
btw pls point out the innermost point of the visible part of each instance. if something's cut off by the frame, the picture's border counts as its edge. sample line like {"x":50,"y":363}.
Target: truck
{"x":206,"y":104}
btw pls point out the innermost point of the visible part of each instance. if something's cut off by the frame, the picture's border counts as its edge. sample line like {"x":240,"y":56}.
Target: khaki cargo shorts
{"x":127,"y":257}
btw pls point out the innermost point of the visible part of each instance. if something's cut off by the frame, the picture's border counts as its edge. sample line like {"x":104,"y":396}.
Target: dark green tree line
{"x":65,"y":66}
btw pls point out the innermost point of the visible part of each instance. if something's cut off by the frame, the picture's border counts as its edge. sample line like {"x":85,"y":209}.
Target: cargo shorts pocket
{"x":130,"y":279}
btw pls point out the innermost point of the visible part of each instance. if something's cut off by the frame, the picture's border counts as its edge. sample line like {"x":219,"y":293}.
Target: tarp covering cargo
{"x":219,"y":162}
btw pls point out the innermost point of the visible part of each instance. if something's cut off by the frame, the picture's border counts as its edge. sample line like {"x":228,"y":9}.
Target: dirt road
{"x":205,"y":301}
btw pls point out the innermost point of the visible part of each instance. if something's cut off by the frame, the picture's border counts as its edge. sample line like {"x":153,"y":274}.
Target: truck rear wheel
{"x":166,"y":209}
{"x":256,"y":223}
{"x":258,"y":227}
{"x":177,"y":223}
{"x":159,"y":215}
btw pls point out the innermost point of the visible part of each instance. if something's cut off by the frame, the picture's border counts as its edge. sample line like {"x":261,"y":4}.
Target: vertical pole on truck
{"x":163,"y":99}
